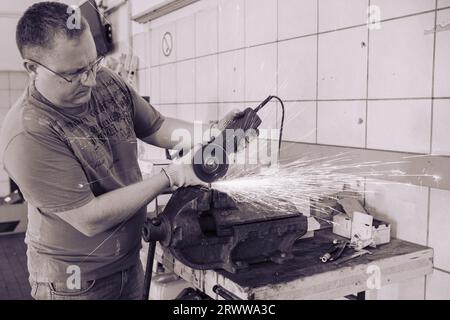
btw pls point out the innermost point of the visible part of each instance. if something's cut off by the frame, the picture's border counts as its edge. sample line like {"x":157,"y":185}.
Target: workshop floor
{"x":13,"y":268}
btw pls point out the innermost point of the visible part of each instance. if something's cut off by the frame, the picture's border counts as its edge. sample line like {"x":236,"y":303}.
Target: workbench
{"x":305,"y":276}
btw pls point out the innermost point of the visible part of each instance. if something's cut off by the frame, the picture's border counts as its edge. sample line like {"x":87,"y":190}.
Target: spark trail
{"x":306,"y":181}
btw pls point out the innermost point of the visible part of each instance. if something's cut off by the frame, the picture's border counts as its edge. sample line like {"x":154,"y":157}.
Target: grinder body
{"x":211,"y":161}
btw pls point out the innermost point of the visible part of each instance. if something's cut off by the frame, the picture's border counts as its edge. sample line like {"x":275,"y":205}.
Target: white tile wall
{"x":4,"y":188}
{"x":439,"y":226}
{"x":231,"y":24}
{"x":206,"y":79}
{"x":400,"y":66}
{"x":168,"y":83}
{"x":400,"y":58}
{"x":186,"y":112}
{"x":437,"y":286}
{"x":3,"y":112}
{"x":405,"y":206}
{"x":443,"y":3}
{"x":206,"y":32}
{"x":341,"y":123}
{"x":412,"y":289}
{"x":169,"y":110}
{"x":155,"y":97}
{"x":149,"y":153}
{"x":224,"y":108}
{"x":296,"y":18}
{"x":155,"y":47}
{"x":232,"y":76}
{"x":260,"y":21}
{"x":260,"y":72}
{"x":442,"y":63}
{"x":186,"y":81}
{"x":297,"y":68}
{"x":300,"y":122}
{"x":10,"y":54}
{"x":335,"y":14}
{"x":185,"y":29}
{"x":3,"y":175}
{"x":14,"y":95}
{"x":343,"y":64}
{"x":205,"y":112}
{"x":4,"y":81}
{"x":143,"y":82}
{"x":441,"y":127}
{"x":399,"y":125}
{"x":269,"y":117}
{"x":141,"y":49}
{"x":4,"y":99}
{"x":137,"y":28}
{"x":120,"y":20}
{"x":18,"y":80}
{"x":390,"y":9}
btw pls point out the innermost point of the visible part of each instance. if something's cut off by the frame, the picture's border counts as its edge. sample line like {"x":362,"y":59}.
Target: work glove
{"x":216,"y":127}
{"x":181,"y":172}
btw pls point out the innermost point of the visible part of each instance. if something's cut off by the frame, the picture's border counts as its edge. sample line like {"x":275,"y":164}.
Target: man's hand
{"x":217,"y":127}
{"x":230,"y":116}
{"x":181,"y":172}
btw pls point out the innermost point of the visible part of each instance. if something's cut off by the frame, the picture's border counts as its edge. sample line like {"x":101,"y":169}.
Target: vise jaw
{"x":207,"y":229}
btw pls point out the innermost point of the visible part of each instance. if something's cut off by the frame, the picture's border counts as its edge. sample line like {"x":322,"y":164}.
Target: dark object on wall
{"x":10,"y":226}
{"x":206,"y":229}
{"x":102,"y":33}
{"x":14,"y":197}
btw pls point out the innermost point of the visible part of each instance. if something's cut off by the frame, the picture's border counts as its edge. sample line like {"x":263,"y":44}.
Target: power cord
{"x":262,"y":104}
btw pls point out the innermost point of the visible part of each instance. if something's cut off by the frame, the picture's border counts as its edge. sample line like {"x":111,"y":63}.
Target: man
{"x":70,"y":145}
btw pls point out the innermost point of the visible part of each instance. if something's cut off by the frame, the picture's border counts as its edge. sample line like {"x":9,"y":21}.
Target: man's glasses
{"x":81,"y":75}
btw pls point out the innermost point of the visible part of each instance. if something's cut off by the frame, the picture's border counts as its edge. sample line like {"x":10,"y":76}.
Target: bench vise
{"x":207,"y":229}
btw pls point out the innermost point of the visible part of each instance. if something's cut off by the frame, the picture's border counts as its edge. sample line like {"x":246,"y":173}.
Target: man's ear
{"x":30,"y":66}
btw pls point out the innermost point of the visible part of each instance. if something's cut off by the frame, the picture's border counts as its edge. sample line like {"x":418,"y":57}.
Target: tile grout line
{"x":428,"y":235}
{"x":245,"y":51}
{"x":442,"y":270}
{"x":195,"y":66}
{"x":367,"y":76}
{"x":428,"y":217}
{"x":217,"y":61}
{"x":315,"y":34}
{"x":317,"y":71}
{"x":311,"y":100}
{"x":431,"y":137}
{"x":432,"y":79}
{"x":277,"y":122}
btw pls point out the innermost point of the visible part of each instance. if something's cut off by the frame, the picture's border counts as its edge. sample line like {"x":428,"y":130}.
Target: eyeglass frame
{"x":88,"y":69}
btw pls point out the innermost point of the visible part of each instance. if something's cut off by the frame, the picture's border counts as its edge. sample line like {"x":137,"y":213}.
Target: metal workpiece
{"x":206,"y":229}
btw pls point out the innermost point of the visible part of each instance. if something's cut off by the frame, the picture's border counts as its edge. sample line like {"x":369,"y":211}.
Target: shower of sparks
{"x":312,"y":185}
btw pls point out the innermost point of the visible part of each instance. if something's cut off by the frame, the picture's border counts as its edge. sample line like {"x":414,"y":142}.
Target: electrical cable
{"x":262,"y":104}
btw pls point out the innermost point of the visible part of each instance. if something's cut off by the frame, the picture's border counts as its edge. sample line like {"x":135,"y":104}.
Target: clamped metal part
{"x":206,"y":229}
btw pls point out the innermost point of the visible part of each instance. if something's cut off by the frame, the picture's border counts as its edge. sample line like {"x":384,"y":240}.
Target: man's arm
{"x":110,"y":209}
{"x":178,"y":134}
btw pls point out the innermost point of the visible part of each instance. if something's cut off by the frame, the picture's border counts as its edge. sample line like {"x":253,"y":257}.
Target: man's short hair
{"x":41,"y":24}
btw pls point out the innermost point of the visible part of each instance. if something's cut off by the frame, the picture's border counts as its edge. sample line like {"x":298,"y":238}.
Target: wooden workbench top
{"x":306,"y":277}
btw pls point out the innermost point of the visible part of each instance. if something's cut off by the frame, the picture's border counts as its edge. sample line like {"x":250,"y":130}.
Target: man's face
{"x":66,"y":58}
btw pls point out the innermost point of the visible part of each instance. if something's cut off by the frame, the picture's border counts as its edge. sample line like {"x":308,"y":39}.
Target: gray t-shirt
{"x":61,"y":158}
